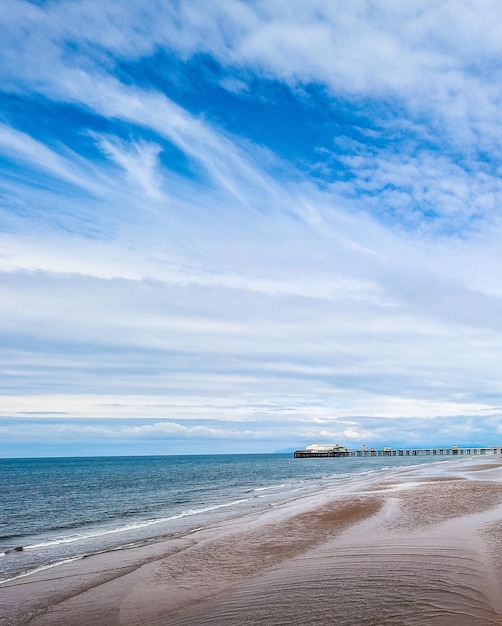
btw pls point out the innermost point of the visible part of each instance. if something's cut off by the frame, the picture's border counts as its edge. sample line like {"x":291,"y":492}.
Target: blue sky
{"x":247,"y":226}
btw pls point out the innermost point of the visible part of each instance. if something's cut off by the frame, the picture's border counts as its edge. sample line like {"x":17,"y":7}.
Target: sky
{"x":246,"y":226}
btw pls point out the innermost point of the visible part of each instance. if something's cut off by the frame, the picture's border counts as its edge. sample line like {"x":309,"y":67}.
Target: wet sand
{"x":424,"y":547}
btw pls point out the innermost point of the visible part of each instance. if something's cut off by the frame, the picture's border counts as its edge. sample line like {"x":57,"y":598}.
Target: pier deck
{"x":305,"y":454}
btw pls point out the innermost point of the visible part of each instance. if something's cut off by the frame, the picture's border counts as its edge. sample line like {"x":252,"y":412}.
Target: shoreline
{"x":344,"y":549}
{"x":43,"y":550}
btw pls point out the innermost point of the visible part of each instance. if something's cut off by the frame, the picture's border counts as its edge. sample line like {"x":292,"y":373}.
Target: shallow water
{"x":60,"y":509}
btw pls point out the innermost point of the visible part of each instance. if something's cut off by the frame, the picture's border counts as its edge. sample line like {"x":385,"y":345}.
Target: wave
{"x":41,"y":568}
{"x":272,"y":487}
{"x":128,"y":527}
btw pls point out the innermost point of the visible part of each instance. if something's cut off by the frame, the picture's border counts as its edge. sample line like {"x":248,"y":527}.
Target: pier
{"x":338,"y":451}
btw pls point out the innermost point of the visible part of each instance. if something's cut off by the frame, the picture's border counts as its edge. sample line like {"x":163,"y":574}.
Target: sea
{"x":55,"y":510}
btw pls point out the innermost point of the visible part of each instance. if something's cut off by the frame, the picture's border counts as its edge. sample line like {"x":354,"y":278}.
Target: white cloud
{"x":140,"y":162}
{"x":21,"y":147}
{"x":233,"y":293}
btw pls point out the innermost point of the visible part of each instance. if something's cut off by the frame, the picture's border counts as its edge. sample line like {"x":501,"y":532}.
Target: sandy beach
{"x":422,"y":546}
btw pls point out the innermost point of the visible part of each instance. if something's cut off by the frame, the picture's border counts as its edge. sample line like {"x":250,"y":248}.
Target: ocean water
{"x":60,"y":509}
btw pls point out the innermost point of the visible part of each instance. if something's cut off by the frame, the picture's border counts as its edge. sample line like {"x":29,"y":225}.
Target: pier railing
{"x":453,"y":451}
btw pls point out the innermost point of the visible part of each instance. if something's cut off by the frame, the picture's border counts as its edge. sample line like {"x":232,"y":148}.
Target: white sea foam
{"x":40,"y":569}
{"x":128,"y":527}
{"x":272,"y":487}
